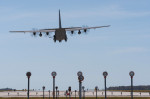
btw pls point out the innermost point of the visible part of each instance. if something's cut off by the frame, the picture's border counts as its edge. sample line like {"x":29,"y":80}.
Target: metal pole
{"x":84,"y":94}
{"x":69,"y":95}
{"x":49,"y":94}
{"x":66,"y":94}
{"x":28,"y":86}
{"x":131,"y":87}
{"x":80,"y":92}
{"x":75,"y":94}
{"x":81,"y":89}
{"x":43,"y":93}
{"x":96,"y":93}
{"x":105,"y":88}
{"x":56,"y":93}
{"x":53,"y":87}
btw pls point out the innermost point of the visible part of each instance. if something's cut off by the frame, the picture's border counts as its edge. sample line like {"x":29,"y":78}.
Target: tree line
{"x":140,"y":87}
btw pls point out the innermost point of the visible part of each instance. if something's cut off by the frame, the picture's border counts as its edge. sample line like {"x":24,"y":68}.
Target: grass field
{"x":77,"y":98}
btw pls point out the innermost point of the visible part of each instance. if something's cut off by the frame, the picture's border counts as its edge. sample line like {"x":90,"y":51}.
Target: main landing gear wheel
{"x":54,"y":38}
{"x":65,"y":39}
{"x":59,"y":40}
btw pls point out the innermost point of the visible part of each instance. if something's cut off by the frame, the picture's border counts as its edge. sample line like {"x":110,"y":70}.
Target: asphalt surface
{"x":62,"y":94}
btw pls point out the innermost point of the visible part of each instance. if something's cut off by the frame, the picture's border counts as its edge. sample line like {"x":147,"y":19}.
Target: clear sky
{"x":123,"y":47}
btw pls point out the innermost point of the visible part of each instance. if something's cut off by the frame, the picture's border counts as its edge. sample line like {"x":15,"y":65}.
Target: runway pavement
{"x":62,"y":94}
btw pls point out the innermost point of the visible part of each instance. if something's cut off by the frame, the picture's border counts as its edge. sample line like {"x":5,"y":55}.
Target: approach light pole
{"x":75,"y":93}
{"x":69,"y":89}
{"x":43,"y":91}
{"x":80,"y":78}
{"x":96,"y":88}
{"x":28,"y":74}
{"x":83,"y":92}
{"x":66,"y":93}
{"x":131,"y":73}
{"x":53,"y":74}
{"x":79,"y":74}
{"x":105,"y":74}
{"x":56,"y":91}
{"x":49,"y":94}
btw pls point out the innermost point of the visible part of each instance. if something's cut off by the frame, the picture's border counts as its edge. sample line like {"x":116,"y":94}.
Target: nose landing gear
{"x":59,"y":40}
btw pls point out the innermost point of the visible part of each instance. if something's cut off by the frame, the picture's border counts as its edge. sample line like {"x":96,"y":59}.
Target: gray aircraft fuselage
{"x":60,"y":34}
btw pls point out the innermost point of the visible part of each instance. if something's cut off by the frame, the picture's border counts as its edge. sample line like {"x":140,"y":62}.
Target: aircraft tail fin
{"x":59,"y":20}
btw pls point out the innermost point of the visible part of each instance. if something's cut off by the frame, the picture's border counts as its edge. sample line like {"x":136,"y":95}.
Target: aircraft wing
{"x":84,"y":28}
{"x":31,"y":31}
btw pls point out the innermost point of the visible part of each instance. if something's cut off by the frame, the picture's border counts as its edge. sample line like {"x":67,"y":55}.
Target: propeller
{"x":50,"y":37}
{"x":72,"y":32}
{"x":79,"y":32}
{"x":40,"y":34}
{"x":85,"y":30}
{"x":34,"y":33}
{"x":47,"y":34}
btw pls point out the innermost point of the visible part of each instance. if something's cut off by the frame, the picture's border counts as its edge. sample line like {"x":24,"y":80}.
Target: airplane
{"x":60,"y":33}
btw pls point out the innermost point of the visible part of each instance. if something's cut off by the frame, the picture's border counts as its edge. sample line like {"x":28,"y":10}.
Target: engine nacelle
{"x":72,"y":32}
{"x":34,"y":33}
{"x":40,"y":34}
{"x":79,"y":32}
{"x":47,"y":33}
{"x":85,"y":30}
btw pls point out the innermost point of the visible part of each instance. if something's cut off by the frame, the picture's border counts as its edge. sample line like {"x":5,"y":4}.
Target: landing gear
{"x":54,"y":38}
{"x":59,"y":40}
{"x":66,"y":38}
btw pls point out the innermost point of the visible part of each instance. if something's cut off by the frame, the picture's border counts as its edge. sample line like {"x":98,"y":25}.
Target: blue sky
{"x":118,"y":49}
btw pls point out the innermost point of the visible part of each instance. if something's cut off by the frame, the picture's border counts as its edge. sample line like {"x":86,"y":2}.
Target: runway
{"x":62,"y":94}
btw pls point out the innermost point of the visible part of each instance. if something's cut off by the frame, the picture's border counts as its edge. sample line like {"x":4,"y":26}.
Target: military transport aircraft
{"x":60,"y":33}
